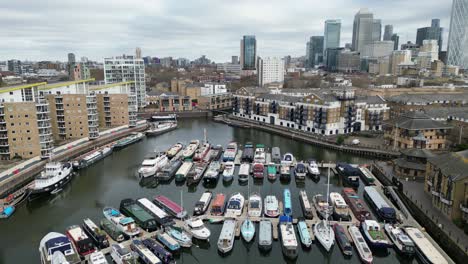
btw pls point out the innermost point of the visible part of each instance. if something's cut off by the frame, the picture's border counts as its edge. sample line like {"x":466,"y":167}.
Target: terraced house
{"x":319,"y":111}
{"x":447,"y":184}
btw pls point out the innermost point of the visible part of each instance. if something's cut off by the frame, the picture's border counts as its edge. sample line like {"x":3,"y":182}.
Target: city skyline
{"x":102,"y":29}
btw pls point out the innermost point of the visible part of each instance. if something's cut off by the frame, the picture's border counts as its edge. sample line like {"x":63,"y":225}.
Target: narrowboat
{"x":226,"y":237}
{"x":169,"y":242}
{"x":83,"y":244}
{"x":212,"y":173}
{"x":341,"y":210}
{"x":228,"y":173}
{"x":258,"y":170}
{"x":271,"y":206}
{"x":377,"y":202}
{"x":230,"y":152}
{"x":356,"y":205}
{"x":144,"y":253}
{"x":304,"y":234}
{"x":98,"y":236}
{"x":365,"y":254}
{"x":400,"y":240}
{"x":235,"y":205}
{"x":201,"y":152}
{"x":158,"y":250}
{"x":196,"y":173}
{"x":124,"y":224}
{"x":189,"y":151}
{"x":219,"y":204}
{"x":244,"y":172}
{"x":159,"y":129}
{"x":288,"y":237}
{"x":305,"y":204}
{"x":111,"y":229}
{"x":132,"y":138}
{"x":170,"y":117}
{"x":160,"y":216}
{"x":182,"y":172}
{"x":91,"y":157}
{"x":374,"y":234}
{"x":170,"y":206}
{"x":144,"y":219}
{"x":287,"y":206}
{"x":55,"y":245}
{"x":202,"y":205}
{"x":348,"y":173}
{"x":271,"y":171}
{"x":121,"y":254}
{"x":342,"y":240}
{"x":276,"y":155}
{"x":174,"y":150}
{"x":169,"y":170}
{"x":300,"y":171}
{"x":366,"y":175}
{"x":259,"y":155}
{"x":265,"y":237}
{"x":425,"y":251}
{"x":248,"y":154}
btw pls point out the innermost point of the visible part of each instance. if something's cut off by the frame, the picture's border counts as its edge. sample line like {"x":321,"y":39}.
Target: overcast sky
{"x":49,"y":29}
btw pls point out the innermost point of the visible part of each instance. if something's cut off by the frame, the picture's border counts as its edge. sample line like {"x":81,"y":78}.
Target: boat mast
{"x":328,"y":205}
{"x":204,"y":135}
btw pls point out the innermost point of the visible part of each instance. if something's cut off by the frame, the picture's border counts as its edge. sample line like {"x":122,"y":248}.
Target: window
{"x":26,"y":115}
{"x":11,"y":93}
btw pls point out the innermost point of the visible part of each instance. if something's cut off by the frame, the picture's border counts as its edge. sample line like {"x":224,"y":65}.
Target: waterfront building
{"x":458,"y":38}
{"x":215,"y":101}
{"x":25,"y":128}
{"x":331,"y":36}
{"x":314,"y":52}
{"x":446,"y":181}
{"x":416,"y":130}
{"x":270,"y":70}
{"x":169,"y":102}
{"x":363,"y":29}
{"x":319,"y":111}
{"x":434,"y":32}
{"x":388,"y":32}
{"x":248,"y":53}
{"x":179,"y":85}
{"x":124,"y":69}
{"x":411,"y":165}
{"x":213,"y":88}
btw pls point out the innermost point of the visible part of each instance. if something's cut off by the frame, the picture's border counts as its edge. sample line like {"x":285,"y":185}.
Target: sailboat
{"x":248,"y":228}
{"x":322,"y":230}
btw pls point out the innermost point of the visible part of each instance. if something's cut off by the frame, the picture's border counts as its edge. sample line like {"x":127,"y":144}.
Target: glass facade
{"x":432,"y":32}
{"x":332,"y":34}
{"x":458,"y":36}
{"x":315,"y":54}
{"x":249,"y":53}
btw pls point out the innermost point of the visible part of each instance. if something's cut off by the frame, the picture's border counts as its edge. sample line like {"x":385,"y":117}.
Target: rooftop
{"x":428,"y":98}
{"x":417,"y":120}
{"x":61,"y":84}
{"x":448,"y":112}
{"x":22,"y":86}
{"x":418,"y":153}
{"x":110,"y":85}
{"x":453,"y":164}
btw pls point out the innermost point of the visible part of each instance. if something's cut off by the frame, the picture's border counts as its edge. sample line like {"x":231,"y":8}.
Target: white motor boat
{"x":271,"y":206}
{"x":255,"y":205}
{"x":312,"y":168}
{"x":197,"y":229}
{"x":57,"y":247}
{"x":228,"y":173}
{"x":288,"y":159}
{"x":152,"y":164}
{"x":235,"y":205}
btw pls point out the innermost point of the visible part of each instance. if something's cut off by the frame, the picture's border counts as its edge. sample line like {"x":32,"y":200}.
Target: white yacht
{"x":228,"y":173}
{"x":57,"y":248}
{"x":271,"y":206}
{"x":244,"y":172}
{"x":152,"y":164}
{"x":52,"y":179}
{"x":312,"y":168}
{"x":189,"y":151}
{"x":322,"y":230}
{"x":124,"y":224}
{"x":121,"y":254}
{"x":235,"y":205}
{"x":230,"y":152}
{"x":400,"y":240}
{"x":288,"y":159}
{"x":260,"y":156}
{"x":197,"y":229}
{"x":255,"y":205}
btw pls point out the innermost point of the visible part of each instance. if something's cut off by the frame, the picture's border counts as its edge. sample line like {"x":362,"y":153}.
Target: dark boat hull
{"x":46,"y":191}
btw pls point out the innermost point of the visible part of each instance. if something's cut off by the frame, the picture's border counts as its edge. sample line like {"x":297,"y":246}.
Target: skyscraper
{"x":396,"y":39}
{"x":332,"y":34}
{"x":432,"y":32}
{"x":248,"y":53}
{"x":363,"y":28}
{"x":315,"y":51}
{"x":270,"y":70}
{"x":388,"y":33}
{"x":376,"y":30}
{"x":458,"y":37}
{"x":71,"y":58}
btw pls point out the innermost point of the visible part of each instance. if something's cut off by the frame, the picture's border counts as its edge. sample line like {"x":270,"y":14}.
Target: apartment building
{"x":416,"y":130}
{"x":169,"y":102}
{"x":116,"y":105}
{"x":25,"y":128}
{"x":320,"y":111}
{"x":215,"y":101}
{"x":124,"y":69}
{"x":446,"y":180}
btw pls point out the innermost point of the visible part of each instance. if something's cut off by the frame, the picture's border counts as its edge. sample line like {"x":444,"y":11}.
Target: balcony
{"x":429,"y":183}
{"x":464,"y":208}
{"x":446,"y":201}
{"x":435,"y":193}
{"x":3,"y":128}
